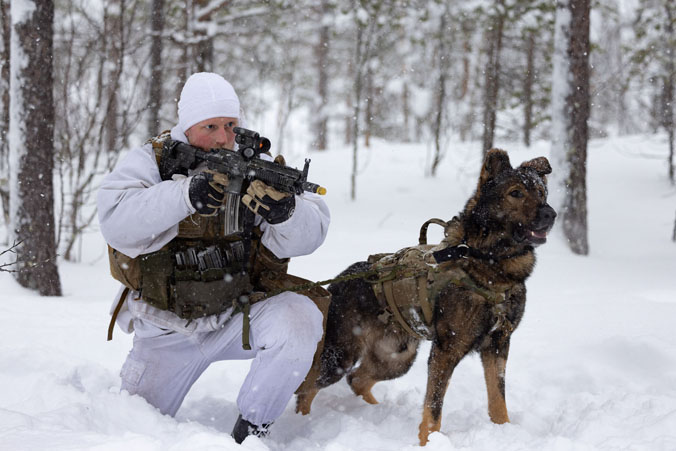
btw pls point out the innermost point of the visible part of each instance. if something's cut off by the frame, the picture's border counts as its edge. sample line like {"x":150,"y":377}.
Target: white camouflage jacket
{"x":139,"y":213}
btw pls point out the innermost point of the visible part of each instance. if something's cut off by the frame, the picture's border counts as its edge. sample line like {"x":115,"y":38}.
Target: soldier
{"x":143,"y":217}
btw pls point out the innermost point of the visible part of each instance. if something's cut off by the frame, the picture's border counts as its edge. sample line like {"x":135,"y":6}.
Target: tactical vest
{"x":201,"y":271}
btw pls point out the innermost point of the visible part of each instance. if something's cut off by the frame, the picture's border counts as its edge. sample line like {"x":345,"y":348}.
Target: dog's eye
{"x":516,"y":193}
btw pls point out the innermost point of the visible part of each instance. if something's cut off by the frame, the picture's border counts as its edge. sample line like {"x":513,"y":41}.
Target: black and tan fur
{"x":502,"y":222}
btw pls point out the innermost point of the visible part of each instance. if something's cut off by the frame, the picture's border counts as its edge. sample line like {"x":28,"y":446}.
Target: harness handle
{"x":422,"y":238}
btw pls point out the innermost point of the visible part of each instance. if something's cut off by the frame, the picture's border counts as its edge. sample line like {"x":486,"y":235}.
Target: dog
{"x":498,"y":230}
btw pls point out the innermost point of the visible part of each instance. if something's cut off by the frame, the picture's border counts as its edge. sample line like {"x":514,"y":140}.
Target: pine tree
{"x":570,"y":113}
{"x":31,"y":144}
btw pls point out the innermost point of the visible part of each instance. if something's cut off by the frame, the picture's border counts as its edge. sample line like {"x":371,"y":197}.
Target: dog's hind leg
{"x":385,"y":358}
{"x":304,"y":401}
{"x":494,"y":360}
{"x":361,"y":383}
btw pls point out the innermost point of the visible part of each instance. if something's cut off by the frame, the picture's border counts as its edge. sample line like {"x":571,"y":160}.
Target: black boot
{"x":243,"y":429}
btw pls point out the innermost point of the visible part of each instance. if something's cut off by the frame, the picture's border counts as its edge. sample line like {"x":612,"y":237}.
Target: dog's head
{"x":512,"y":201}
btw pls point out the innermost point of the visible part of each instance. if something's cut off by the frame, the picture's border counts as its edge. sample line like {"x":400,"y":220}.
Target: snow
{"x":592,"y":365}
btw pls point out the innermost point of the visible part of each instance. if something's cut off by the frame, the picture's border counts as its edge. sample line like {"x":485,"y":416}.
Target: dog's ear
{"x":496,"y":161}
{"x":540,"y":165}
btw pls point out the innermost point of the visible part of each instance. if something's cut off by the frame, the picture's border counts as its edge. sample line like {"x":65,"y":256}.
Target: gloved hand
{"x":272,"y":205}
{"x":207,"y":192}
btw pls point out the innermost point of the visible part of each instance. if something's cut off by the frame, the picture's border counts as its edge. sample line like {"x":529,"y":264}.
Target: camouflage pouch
{"x":193,"y":299}
{"x":124,"y":269}
{"x":156,"y":272}
{"x":194,"y":288}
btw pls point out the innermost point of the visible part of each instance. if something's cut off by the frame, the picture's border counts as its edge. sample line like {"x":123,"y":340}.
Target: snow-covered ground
{"x":592,"y":366}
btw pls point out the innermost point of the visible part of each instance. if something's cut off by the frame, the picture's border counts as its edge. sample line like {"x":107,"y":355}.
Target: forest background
{"x":422,"y":71}
{"x":395,"y":102}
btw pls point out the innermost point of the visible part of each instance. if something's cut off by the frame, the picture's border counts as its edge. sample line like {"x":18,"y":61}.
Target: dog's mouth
{"x":533,"y":237}
{"x":536,"y":233}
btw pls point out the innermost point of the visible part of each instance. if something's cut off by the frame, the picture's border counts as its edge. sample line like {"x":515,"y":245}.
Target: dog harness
{"x":412,"y":278}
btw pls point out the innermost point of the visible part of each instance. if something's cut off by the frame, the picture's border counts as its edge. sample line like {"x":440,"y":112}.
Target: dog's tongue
{"x":541,"y":235}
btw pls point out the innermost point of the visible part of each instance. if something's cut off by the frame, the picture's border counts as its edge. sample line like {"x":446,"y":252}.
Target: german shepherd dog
{"x":501,"y":224}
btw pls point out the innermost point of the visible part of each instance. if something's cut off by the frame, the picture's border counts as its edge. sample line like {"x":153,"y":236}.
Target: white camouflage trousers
{"x":284,"y":333}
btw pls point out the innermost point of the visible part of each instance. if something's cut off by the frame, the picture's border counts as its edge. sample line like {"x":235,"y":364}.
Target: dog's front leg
{"x":494,"y":359}
{"x":440,"y":367}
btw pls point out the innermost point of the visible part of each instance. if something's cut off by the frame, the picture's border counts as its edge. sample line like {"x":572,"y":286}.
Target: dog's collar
{"x":462,"y":250}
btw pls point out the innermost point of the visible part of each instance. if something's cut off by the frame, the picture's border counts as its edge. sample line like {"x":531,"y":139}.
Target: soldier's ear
{"x":540,"y":165}
{"x":496,"y":161}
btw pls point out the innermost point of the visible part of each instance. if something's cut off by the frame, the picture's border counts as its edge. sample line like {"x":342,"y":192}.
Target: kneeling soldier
{"x":175,"y":245}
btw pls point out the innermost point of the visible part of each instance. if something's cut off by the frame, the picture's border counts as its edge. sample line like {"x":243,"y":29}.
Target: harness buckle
{"x":463,"y":250}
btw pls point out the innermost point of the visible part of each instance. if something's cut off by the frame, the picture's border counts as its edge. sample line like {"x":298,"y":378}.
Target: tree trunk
{"x":32,"y":146}
{"x":155,"y":88}
{"x":5,"y":31}
{"x":570,"y":113}
{"x":322,"y":57}
{"x":492,"y":79}
{"x":528,"y":88}
{"x":441,"y":94}
{"x":357,"y":111}
{"x":204,"y":48}
{"x":406,"y":110}
{"x":184,"y":64}
{"x":368,"y":115}
{"x":466,"y":55}
{"x":116,"y":42}
{"x":668,"y":87}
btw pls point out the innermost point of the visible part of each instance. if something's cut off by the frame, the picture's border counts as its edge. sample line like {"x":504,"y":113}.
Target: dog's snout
{"x":546,"y":215}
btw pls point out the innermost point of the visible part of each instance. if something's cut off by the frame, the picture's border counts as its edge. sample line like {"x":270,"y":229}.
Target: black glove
{"x":272,"y":205}
{"x":207,"y":192}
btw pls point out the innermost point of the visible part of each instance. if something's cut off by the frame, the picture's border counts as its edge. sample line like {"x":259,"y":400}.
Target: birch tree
{"x":4,"y":107}
{"x":31,"y":145}
{"x":570,"y":113}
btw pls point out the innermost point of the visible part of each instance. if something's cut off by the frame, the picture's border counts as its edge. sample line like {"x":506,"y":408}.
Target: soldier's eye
{"x":516,"y":193}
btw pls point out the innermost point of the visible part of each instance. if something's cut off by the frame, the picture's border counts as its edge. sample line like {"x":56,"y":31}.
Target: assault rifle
{"x":243,"y":165}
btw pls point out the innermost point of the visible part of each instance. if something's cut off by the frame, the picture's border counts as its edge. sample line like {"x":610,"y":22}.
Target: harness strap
{"x":389,"y":296}
{"x":116,"y":312}
{"x":422,"y":238}
{"x":425,"y":304}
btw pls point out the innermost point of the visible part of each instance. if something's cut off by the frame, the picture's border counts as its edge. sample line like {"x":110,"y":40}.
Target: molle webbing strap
{"x":116,"y":312}
{"x":246,"y":325}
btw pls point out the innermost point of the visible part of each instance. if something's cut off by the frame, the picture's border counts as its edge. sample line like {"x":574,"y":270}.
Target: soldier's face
{"x":215,"y":133}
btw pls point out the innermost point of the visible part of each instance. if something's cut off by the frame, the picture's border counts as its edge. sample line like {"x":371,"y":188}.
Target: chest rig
{"x":205,"y":270}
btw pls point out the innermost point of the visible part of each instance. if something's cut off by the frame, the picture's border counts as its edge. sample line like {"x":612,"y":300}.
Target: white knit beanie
{"x":204,"y":96}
